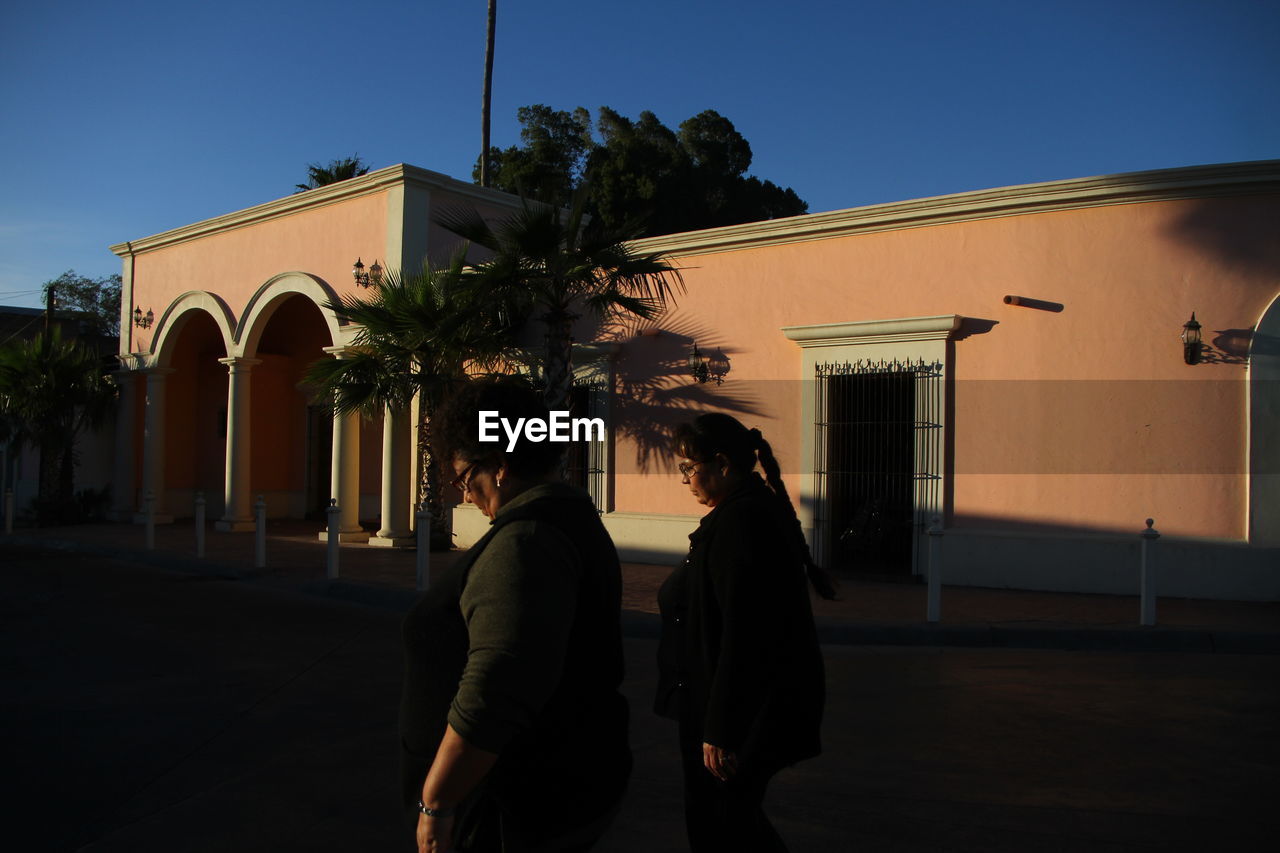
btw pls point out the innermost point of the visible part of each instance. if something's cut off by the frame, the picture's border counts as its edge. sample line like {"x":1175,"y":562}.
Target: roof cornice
{"x":1260,"y":176}
{"x":369,"y":184}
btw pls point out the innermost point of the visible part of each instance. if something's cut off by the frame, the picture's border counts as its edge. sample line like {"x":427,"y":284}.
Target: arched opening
{"x":1264,"y":429}
{"x":292,"y":435}
{"x":195,"y":414}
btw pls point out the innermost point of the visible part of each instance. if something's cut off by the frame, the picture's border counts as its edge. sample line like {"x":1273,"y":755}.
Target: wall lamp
{"x":143,"y":321}
{"x":704,"y":369}
{"x":1191,"y":340}
{"x":372,"y":278}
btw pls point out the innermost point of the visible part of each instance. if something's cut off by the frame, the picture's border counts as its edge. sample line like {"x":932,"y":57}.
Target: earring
{"x":499,"y":482}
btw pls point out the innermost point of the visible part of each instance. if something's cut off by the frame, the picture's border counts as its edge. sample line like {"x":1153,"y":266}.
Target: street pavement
{"x":868,"y":612}
{"x":152,"y":706}
{"x":155,"y":710}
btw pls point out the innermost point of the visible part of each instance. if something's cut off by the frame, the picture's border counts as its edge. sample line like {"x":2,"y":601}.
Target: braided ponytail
{"x":717,"y":433}
{"x":819,"y":578}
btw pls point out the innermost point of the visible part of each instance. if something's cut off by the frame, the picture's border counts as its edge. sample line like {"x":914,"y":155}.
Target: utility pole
{"x":485,"y":177}
{"x":50,"y":299}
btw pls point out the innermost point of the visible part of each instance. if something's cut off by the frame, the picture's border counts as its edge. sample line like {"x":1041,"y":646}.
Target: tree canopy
{"x":417,"y":335}
{"x":94,"y":301}
{"x":550,"y":266}
{"x":51,"y":391}
{"x":337,"y":170}
{"x":641,"y":177}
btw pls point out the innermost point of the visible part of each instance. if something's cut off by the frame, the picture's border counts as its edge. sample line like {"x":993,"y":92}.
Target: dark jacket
{"x":739,"y":655}
{"x":518,"y":646}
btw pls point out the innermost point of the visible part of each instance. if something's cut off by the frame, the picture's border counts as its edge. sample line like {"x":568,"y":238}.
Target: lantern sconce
{"x":1191,"y":340}
{"x":704,"y":369}
{"x":143,"y":321}
{"x":371,"y":278}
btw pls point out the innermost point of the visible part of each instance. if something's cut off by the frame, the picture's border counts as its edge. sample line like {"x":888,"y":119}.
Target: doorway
{"x":319,"y":461}
{"x":878,"y":453}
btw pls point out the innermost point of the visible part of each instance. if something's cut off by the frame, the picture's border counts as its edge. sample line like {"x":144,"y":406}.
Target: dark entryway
{"x":319,"y":460}
{"x":875,"y":462}
{"x":584,"y":466}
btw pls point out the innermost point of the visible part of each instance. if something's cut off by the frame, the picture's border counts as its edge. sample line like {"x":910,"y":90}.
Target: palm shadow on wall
{"x":653,"y":390}
{"x":1238,"y":232}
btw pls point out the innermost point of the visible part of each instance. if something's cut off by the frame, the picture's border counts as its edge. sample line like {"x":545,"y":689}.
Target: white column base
{"x":393,"y":541}
{"x":347,"y":536}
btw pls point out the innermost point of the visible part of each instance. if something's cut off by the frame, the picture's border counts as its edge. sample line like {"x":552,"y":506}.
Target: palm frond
{"x":553,"y":264}
{"x":51,"y":390}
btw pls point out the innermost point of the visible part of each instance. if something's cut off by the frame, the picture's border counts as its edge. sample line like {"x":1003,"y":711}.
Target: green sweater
{"x":518,"y":605}
{"x":517,"y":646}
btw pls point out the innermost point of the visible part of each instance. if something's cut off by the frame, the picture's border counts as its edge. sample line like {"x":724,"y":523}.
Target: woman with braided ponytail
{"x":740,"y":669}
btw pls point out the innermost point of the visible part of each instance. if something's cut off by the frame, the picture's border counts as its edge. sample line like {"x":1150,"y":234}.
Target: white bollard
{"x":933,"y":607}
{"x":335,"y":525}
{"x":1147,"y":580}
{"x":260,"y":533}
{"x":8,"y":511}
{"x":149,"y":513}
{"x":424,"y":547}
{"x":200,"y":524}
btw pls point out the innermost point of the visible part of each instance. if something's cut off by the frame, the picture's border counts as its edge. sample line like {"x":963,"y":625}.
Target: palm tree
{"x":337,"y":170}
{"x":557,"y":263}
{"x":419,"y":336}
{"x":52,"y":391}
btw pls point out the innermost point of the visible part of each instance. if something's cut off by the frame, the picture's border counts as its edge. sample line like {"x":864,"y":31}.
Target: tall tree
{"x":556,"y":265}
{"x":418,"y":337}
{"x":94,"y":301}
{"x":336,"y":170}
{"x":51,"y":392}
{"x":488,"y":92}
{"x":550,"y":163}
{"x":641,"y":177}
{"x":644,"y":177}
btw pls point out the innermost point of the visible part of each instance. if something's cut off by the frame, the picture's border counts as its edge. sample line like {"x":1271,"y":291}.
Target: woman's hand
{"x":435,"y":834}
{"x":721,"y":763}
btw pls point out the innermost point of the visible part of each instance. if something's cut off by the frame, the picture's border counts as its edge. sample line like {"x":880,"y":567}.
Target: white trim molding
{"x":939,"y":328}
{"x":380,"y":181}
{"x":908,"y":339}
{"x":1230,"y":179}
{"x":165,"y":337}
{"x":271,"y":294}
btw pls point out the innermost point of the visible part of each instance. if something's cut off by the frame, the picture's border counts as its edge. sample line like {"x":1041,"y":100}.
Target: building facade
{"x":1004,"y":366}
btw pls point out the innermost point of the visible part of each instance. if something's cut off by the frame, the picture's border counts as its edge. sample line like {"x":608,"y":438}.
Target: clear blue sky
{"x":124,"y":119}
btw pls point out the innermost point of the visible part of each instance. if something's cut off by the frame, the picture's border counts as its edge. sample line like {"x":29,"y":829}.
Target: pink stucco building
{"x":1007,"y":362}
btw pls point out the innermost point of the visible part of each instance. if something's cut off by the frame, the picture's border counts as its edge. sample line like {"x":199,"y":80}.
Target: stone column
{"x":237,"y":514}
{"x":395,"y":532}
{"x":124,"y":485}
{"x":344,"y":475}
{"x":153,"y":441}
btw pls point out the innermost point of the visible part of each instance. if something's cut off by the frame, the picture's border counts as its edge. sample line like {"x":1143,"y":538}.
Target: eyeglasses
{"x":462,"y":482}
{"x":687,"y":468}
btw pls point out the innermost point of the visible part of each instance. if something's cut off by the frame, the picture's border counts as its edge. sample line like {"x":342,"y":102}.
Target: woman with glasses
{"x":739,"y":663}
{"x":514,"y":734}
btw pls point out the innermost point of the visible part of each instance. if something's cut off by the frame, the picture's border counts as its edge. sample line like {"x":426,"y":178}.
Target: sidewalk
{"x":868,"y":612}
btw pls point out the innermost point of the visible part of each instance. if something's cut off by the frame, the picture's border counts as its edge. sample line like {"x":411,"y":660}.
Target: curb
{"x":640,"y":625}
{"x":1183,"y":640}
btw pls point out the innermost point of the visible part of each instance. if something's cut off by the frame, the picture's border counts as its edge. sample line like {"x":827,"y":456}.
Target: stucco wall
{"x":233,"y":264}
{"x":1081,"y":418}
